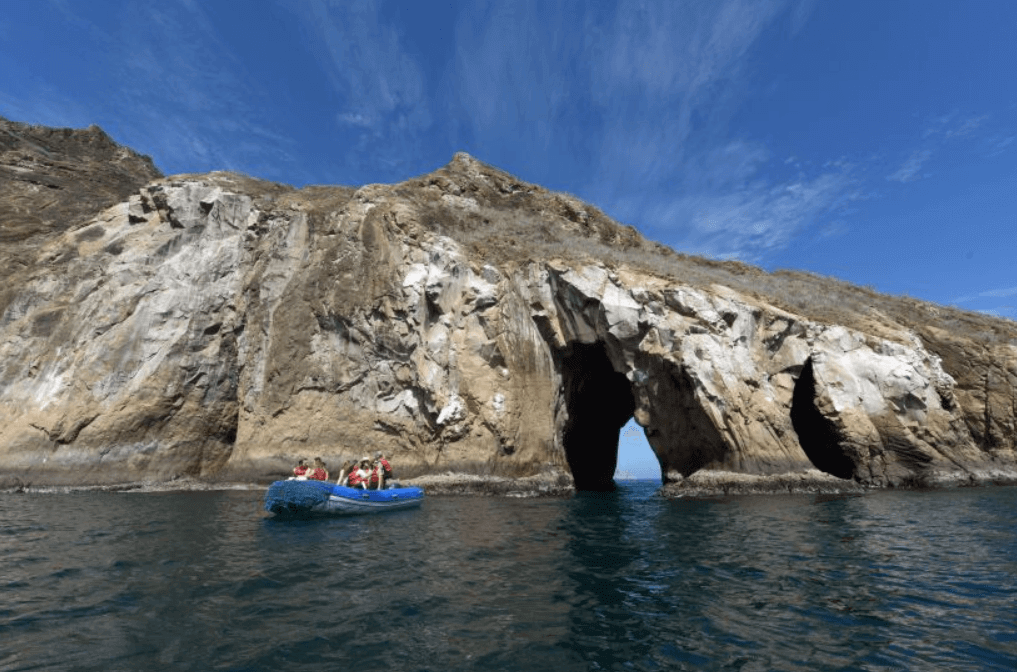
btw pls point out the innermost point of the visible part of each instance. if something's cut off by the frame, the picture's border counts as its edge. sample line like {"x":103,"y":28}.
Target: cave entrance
{"x":598,"y":403}
{"x":817,"y":435}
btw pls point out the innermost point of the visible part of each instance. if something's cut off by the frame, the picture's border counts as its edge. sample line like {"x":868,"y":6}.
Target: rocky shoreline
{"x":701,"y":485}
{"x":813,"y":482}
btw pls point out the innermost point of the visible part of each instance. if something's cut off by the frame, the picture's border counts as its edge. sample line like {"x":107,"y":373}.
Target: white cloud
{"x":1008,"y":312}
{"x":668,"y":165}
{"x":667,"y":49}
{"x":952,"y":127}
{"x":800,"y":15}
{"x":193,"y":104}
{"x":380,"y":85}
{"x":841,"y":163}
{"x":518,"y":69}
{"x":355,"y":119}
{"x":909,"y":171}
{"x":938,"y":125}
{"x":999,"y":293}
{"x":966,"y":127}
{"x":728,"y":207}
{"x":750,"y":222}
{"x":999,"y":144}
{"x":674,"y":59}
{"x":630,"y":79}
{"x":47,"y":106}
{"x":665,"y":79}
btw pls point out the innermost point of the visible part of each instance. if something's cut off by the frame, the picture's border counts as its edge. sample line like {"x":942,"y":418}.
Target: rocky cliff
{"x":218,"y":327}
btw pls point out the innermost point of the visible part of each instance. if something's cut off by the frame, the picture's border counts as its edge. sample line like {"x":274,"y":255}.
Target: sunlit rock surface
{"x":219,"y":327}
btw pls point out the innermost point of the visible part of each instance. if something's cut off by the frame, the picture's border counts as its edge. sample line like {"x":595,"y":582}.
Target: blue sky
{"x":871,"y":141}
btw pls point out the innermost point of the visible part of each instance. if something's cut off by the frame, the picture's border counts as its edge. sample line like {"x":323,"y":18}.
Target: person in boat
{"x":344,"y":473}
{"x":360,"y":475}
{"x":386,"y":466}
{"x":376,"y":480}
{"x":319,"y":473}
{"x":301,"y":469}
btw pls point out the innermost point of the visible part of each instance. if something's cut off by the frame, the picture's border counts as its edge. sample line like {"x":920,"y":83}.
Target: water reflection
{"x":785,"y":582}
{"x":620,"y":580}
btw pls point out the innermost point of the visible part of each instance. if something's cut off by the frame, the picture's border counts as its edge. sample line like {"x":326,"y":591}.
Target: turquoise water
{"x":621,"y":581}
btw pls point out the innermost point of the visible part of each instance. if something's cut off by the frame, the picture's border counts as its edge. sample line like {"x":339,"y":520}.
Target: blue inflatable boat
{"x":304,"y":498}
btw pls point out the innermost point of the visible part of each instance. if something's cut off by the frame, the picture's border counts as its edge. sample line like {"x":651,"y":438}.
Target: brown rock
{"x":219,"y":327}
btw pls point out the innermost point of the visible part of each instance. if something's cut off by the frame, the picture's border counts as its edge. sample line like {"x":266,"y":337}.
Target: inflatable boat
{"x":307,"y":498}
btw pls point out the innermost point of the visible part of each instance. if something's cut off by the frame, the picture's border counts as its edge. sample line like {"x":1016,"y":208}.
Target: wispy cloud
{"x":999,"y":293}
{"x":752,"y":221}
{"x":169,"y":87}
{"x":655,"y":82}
{"x":800,"y":13}
{"x":165,"y":82}
{"x":695,"y":186}
{"x":520,"y":84}
{"x":937,"y":125}
{"x":1008,"y":312}
{"x":948,"y":133}
{"x":966,"y":127}
{"x":911,"y":169}
{"x":953,"y":125}
{"x":990,"y":296}
{"x":44,"y":105}
{"x":676,"y":61}
{"x":383,"y":104}
{"x":999,"y":144}
{"x":378,"y":83}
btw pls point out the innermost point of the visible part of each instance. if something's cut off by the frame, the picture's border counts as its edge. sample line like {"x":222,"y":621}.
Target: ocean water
{"x":620,"y":581}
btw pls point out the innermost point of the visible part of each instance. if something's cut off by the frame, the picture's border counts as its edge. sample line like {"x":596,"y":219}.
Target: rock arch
{"x":817,"y":434}
{"x":679,"y":429}
{"x":598,"y":402}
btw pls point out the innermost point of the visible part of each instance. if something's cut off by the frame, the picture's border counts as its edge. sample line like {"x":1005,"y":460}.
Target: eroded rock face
{"x":216,"y":326}
{"x":53,"y":179}
{"x":726,"y":383}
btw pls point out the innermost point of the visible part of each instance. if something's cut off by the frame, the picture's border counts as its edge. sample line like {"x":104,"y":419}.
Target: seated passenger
{"x":319,"y":473}
{"x":360,"y":475}
{"x":300,"y":471}
{"x":385,"y":465}
{"x":376,"y":480}
{"x":353,"y":480}
{"x":344,"y":473}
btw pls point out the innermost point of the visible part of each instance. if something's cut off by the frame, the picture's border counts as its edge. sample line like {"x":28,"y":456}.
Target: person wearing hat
{"x":360,"y":476}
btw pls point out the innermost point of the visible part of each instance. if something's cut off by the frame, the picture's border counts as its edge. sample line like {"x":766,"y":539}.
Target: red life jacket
{"x":374,"y":476}
{"x":318,"y":474}
{"x":300,"y":471}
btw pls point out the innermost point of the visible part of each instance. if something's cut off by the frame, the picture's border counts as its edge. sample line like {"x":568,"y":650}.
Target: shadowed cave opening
{"x":817,"y":435}
{"x":599,"y":402}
